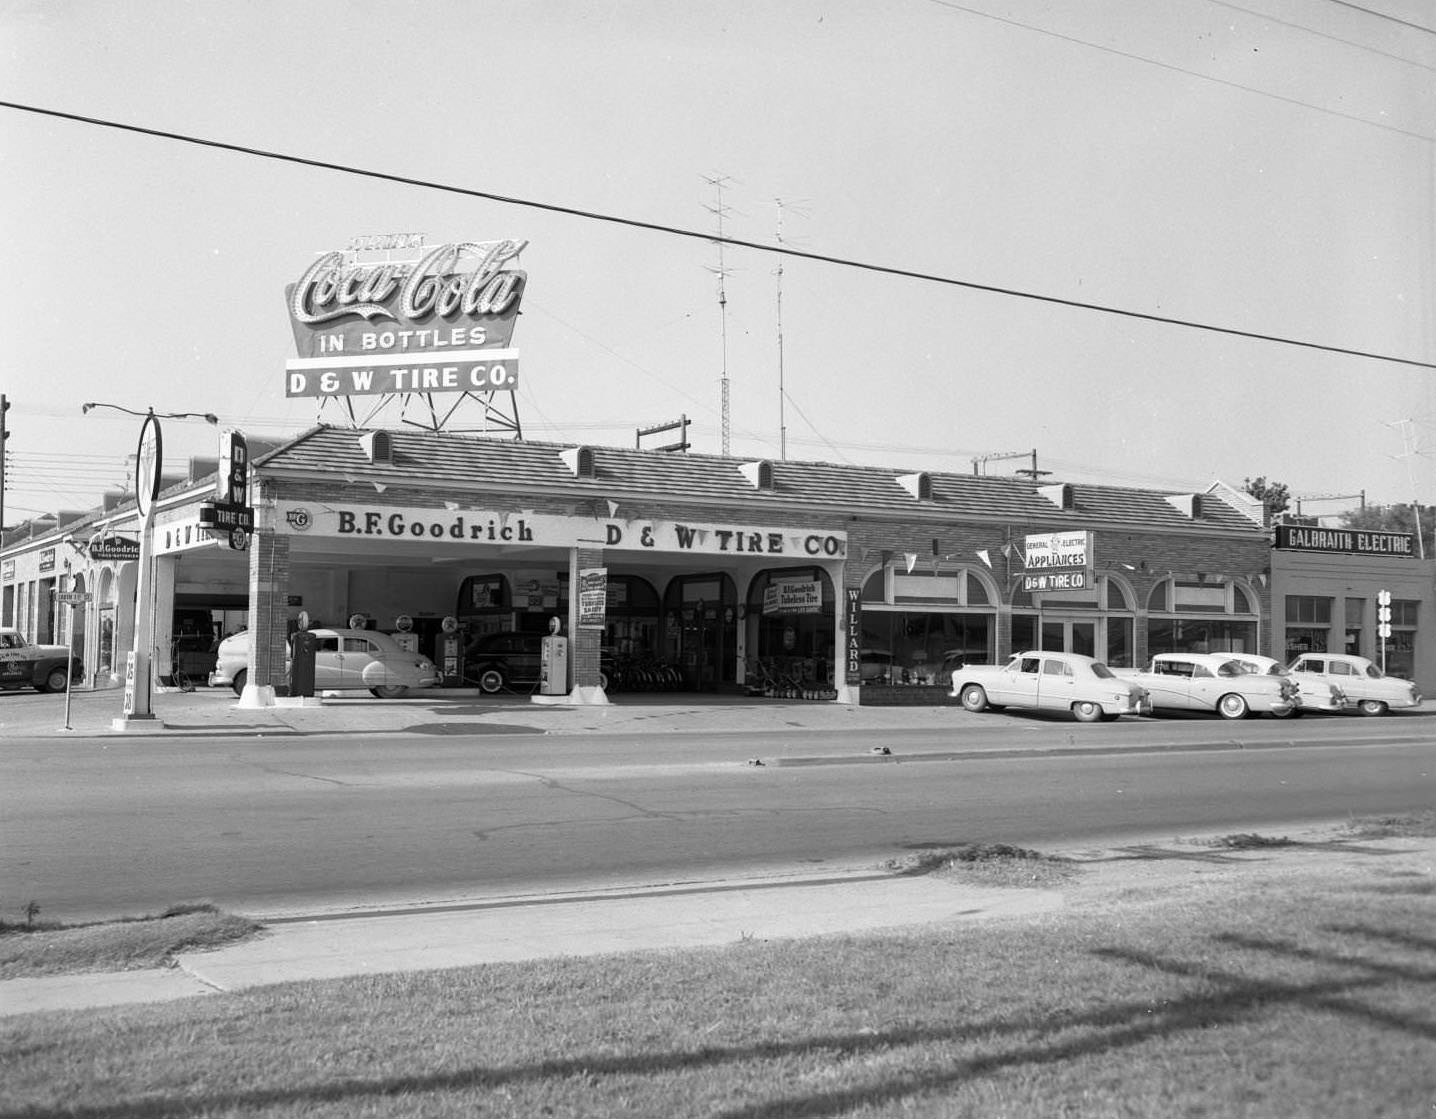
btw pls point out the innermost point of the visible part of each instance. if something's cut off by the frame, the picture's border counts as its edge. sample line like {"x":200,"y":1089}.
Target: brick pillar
{"x":268,"y":619}
{"x":583,"y":655}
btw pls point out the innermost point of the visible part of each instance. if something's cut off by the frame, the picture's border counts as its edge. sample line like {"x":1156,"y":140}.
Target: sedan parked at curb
{"x":1215,"y":682}
{"x":344,"y":660}
{"x":1369,"y":689}
{"x":1315,"y":694}
{"x":1050,"y":681}
{"x":46,"y":668}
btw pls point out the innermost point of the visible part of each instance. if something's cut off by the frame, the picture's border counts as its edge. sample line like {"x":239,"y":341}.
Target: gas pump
{"x":451,"y":653}
{"x":553,"y":677}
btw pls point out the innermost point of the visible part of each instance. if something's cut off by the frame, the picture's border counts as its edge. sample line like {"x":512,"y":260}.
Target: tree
{"x":1274,"y":496}
{"x":1394,"y":518}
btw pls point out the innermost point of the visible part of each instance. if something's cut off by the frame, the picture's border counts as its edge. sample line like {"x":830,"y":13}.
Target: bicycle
{"x":179,"y":680}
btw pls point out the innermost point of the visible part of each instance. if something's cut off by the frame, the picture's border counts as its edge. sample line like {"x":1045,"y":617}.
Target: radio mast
{"x":782,"y":420}
{"x":719,"y":211}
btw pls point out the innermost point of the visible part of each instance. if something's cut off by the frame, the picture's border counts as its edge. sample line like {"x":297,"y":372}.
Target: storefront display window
{"x":1203,"y":616}
{"x":903,"y":647}
{"x":1355,"y":612}
{"x":631,"y":619}
{"x":1120,"y":649}
{"x":1308,"y":625}
{"x":791,"y":624}
{"x":917,"y":626}
{"x":1401,"y":645}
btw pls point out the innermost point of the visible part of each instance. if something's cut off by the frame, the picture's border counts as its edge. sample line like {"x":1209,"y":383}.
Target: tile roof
{"x":481,"y":464}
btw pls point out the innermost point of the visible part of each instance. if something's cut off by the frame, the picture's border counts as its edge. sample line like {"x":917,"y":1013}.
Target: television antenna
{"x":719,"y":211}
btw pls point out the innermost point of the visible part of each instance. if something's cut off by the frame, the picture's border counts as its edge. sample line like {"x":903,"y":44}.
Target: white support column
{"x":164,"y":612}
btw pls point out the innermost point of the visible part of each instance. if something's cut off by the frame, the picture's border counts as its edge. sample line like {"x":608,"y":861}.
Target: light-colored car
{"x":46,"y":668}
{"x":1050,"y":681}
{"x":1315,"y":694}
{"x":344,"y":660}
{"x":876,"y":666}
{"x":1215,"y":682}
{"x":1365,"y":685}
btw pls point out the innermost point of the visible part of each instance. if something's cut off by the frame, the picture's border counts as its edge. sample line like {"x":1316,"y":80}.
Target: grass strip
{"x":142,"y":942}
{"x":1276,"y":982}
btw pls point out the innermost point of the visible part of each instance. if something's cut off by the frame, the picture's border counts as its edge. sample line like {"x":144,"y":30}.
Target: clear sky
{"x":1263,"y":166}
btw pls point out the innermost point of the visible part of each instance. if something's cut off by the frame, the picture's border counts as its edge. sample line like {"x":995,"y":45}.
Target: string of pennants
{"x":911,"y":560}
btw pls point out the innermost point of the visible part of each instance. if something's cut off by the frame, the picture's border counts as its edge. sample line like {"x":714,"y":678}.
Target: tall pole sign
{"x":149,"y":464}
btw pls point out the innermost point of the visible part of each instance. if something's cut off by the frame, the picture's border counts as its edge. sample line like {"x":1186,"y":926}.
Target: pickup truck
{"x":46,"y":668}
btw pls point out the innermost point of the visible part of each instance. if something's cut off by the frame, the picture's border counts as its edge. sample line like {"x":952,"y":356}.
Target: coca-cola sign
{"x":440,"y":322}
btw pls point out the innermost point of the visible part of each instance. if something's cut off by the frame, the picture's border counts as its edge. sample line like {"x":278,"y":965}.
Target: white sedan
{"x":1316,"y":693}
{"x":1365,"y":685}
{"x":344,"y":660}
{"x":1050,"y":681}
{"x":1215,"y":682}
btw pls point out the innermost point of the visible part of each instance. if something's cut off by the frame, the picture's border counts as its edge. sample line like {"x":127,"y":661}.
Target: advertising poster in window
{"x":793,"y":596}
{"x":592,"y":597}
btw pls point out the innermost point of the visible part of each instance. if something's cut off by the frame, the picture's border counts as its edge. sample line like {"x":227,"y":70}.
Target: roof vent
{"x":759,"y":474}
{"x":1060,"y":494}
{"x":1187,"y":504}
{"x":377,"y":446}
{"x":579,"y":461}
{"x":919,"y":485}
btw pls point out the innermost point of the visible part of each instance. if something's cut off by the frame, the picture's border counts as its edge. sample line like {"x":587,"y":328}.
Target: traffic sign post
{"x":72,"y":599}
{"x":1383,"y":623}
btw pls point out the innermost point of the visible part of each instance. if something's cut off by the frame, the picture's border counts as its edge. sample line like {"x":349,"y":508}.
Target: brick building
{"x":856,"y":583}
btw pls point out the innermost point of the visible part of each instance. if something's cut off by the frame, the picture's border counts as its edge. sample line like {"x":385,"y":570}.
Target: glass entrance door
{"x":1068,"y":635}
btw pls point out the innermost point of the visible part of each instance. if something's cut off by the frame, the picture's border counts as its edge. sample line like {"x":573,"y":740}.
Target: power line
{"x":709,"y":238}
{"x":1322,"y":35}
{"x":1381,"y":15}
{"x":1134,"y":57}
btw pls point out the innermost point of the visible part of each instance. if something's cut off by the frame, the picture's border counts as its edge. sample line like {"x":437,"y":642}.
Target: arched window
{"x":920,"y":624}
{"x":1201,"y":614}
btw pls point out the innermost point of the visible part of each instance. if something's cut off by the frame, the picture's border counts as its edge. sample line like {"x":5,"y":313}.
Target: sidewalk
{"x":216,"y":711}
{"x":532,"y":928}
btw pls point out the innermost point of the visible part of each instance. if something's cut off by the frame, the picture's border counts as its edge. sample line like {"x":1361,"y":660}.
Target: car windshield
{"x":1374,"y":673}
{"x":1232,"y":668}
{"x":1101,"y":671}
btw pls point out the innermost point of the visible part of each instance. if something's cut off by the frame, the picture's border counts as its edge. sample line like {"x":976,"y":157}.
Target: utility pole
{"x":1032,"y":471}
{"x":1408,"y":439}
{"x":4,"y":435}
{"x":994,"y":456}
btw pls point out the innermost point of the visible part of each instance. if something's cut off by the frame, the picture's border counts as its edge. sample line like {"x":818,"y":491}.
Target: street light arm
{"x":207,"y":417}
